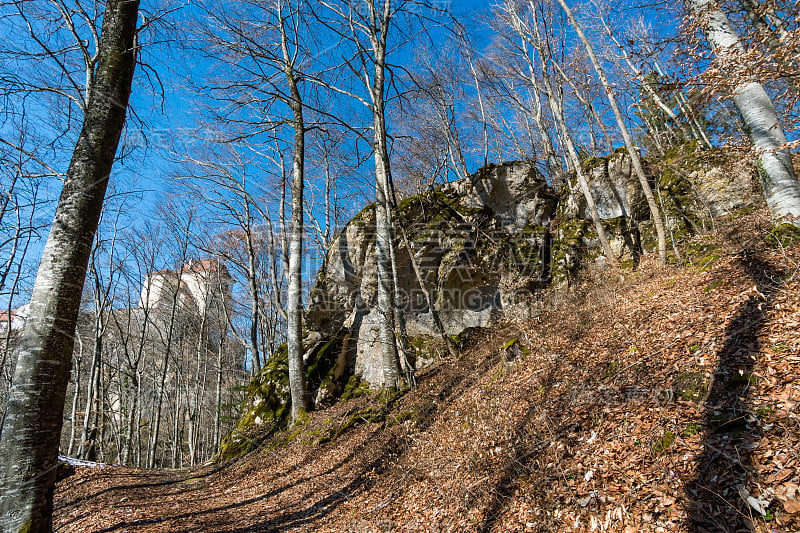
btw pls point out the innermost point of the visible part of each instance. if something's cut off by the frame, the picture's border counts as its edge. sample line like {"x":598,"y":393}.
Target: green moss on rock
{"x":570,"y":250}
{"x":680,"y":203}
{"x":784,"y":235}
{"x":355,"y":388}
{"x":692,"y":429}
{"x":427,"y":349}
{"x":267,"y":405}
{"x":592,"y":162}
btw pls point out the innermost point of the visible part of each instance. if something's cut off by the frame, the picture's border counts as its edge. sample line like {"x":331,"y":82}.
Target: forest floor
{"x":664,"y":399}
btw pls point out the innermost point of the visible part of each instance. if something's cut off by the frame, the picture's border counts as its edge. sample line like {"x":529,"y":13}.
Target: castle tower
{"x":202,"y":288}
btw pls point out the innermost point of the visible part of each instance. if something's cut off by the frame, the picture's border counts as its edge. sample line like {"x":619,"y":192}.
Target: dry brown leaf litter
{"x":667,"y":401}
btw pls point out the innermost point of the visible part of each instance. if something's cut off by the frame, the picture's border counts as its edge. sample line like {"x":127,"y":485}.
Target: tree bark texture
{"x":30,"y":439}
{"x":294,"y":318}
{"x":383,"y":215}
{"x":778,"y":178}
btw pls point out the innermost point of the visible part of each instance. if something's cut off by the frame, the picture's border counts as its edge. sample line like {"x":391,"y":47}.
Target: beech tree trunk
{"x":636,"y":161}
{"x":557,"y":110}
{"x":252,"y":286}
{"x":30,"y":438}
{"x":558,"y":115}
{"x":294,"y":318}
{"x":294,"y":326}
{"x":778,"y":178}
{"x":383,"y":219}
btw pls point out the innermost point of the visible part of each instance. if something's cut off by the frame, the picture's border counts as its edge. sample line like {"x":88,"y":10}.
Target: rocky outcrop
{"x":485,"y":246}
{"x":691,"y":185}
{"x":476,"y":241}
{"x":614,"y":187}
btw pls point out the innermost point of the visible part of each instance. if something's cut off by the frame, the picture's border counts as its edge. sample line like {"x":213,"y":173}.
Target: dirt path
{"x":665,"y":401}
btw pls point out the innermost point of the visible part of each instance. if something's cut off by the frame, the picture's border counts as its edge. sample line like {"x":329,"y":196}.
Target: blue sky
{"x":160,"y":126}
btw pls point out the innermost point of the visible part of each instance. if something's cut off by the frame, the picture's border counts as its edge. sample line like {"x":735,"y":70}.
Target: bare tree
{"x":368,"y":29}
{"x":636,"y":160}
{"x":182,"y":230}
{"x":102,"y":296}
{"x":30,"y":438}
{"x":778,"y":179}
{"x":221,"y":182}
{"x":261,"y":51}
{"x":526,"y":56}
{"x":772,"y":30}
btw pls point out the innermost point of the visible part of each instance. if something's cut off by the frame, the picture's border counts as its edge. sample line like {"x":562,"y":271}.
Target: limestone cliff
{"x":485,"y":246}
{"x":473,"y":240}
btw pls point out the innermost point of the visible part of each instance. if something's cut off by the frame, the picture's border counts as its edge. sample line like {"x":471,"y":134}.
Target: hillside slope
{"x":658,"y":400}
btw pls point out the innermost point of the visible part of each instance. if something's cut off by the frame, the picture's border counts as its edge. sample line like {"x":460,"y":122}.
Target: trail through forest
{"x":663,"y":399}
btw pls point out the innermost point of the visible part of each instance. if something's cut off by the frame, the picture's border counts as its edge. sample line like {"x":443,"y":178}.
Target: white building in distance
{"x":199,"y":287}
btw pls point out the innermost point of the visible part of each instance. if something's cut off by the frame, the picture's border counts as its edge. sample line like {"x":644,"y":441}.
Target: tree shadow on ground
{"x":446,"y":383}
{"x":526,"y":448}
{"x":715,"y":497}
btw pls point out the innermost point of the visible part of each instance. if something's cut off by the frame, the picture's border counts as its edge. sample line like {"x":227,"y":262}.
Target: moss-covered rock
{"x":267,"y":404}
{"x":427,"y":349}
{"x":691,"y":185}
{"x":680,"y":205}
{"x":482,"y":244}
{"x":572,"y":249}
{"x":478,"y":243}
{"x":355,"y":388}
{"x":513,"y":349}
{"x":697,"y":184}
{"x":784,"y":235}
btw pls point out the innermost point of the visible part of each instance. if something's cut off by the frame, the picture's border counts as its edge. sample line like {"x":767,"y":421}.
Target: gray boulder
{"x":479,"y":242}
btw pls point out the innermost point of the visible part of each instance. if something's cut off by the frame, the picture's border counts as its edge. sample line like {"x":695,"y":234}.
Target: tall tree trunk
{"x":252,"y":285}
{"x":558,"y":115}
{"x":73,"y":416}
{"x":138,"y":420}
{"x":403,"y":346}
{"x":778,"y":178}
{"x":31,"y":434}
{"x":176,"y":424}
{"x":383,"y":228}
{"x":88,"y":443}
{"x":218,"y":390}
{"x":294,"y":312}
{"x":636,"y":161}
{"x":557,"y":110}
{"x":133,"y":419}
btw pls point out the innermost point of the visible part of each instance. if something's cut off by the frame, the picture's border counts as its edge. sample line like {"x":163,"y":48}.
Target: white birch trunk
{"x":778,"y":179}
